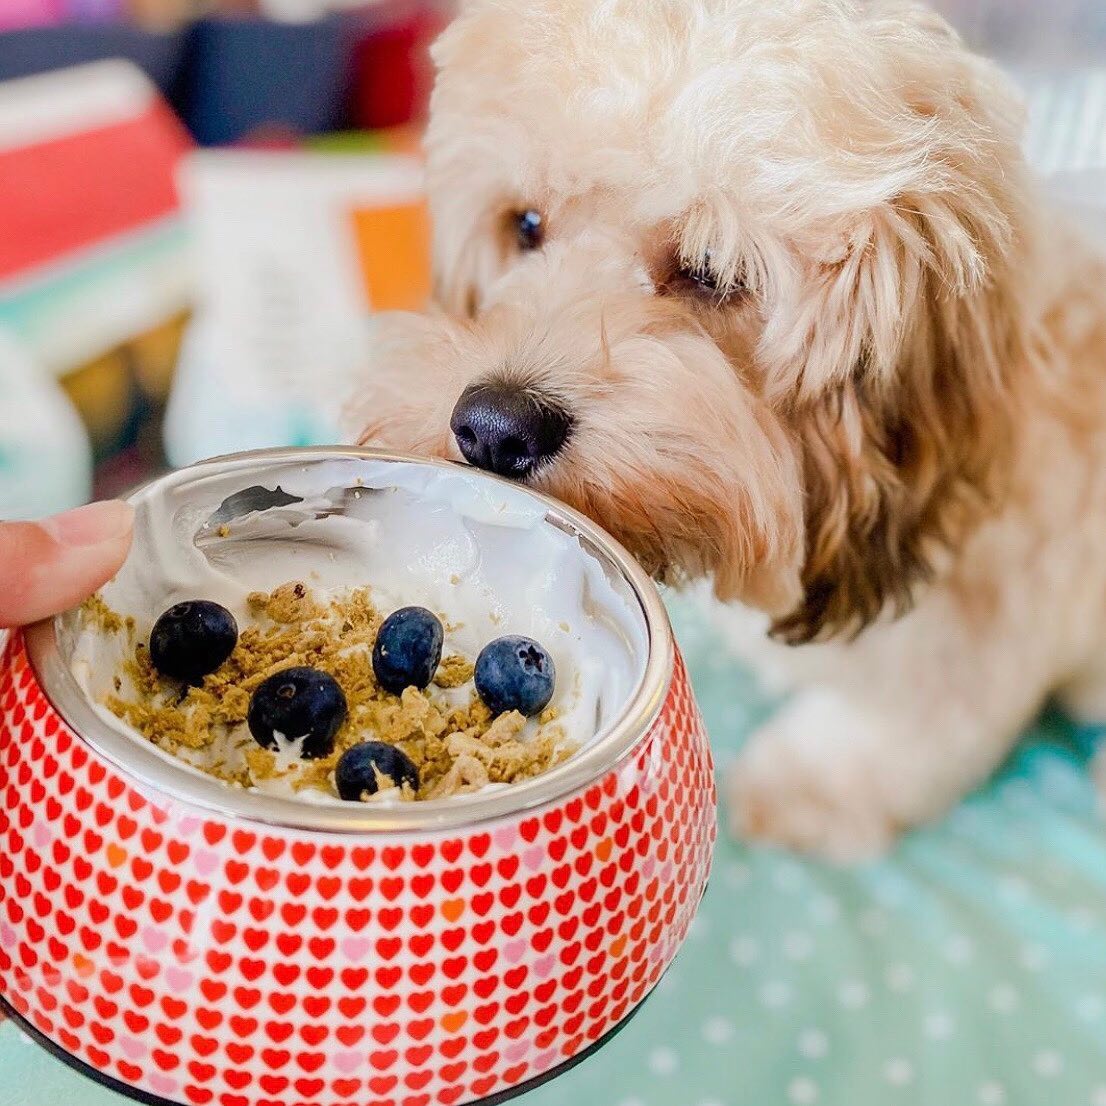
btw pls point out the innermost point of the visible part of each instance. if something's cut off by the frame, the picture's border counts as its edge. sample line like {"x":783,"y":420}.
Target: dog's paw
{"x":815,"y":778}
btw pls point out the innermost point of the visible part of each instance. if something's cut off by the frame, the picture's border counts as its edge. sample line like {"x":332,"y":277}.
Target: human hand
{"x":48,"y":566}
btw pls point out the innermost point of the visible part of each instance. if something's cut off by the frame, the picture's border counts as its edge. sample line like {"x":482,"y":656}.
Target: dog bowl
{"x":187,"y":942}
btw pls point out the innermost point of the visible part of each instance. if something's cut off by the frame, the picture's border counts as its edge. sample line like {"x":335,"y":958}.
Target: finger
{"x":49,"y":566}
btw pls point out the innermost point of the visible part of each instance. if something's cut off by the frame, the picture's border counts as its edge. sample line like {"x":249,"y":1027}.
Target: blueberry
{"x":357,"y":769}
{"x":298,"y":703}
{"x":408,"y":649}
{"x":192,"y":639}
{"x":515,"y":673}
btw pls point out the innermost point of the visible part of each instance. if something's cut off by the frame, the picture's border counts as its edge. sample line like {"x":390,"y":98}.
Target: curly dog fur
{"x":823,"y":343}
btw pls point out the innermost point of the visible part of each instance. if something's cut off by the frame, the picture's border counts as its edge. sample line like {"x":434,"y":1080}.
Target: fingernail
{"x":93,"y":524}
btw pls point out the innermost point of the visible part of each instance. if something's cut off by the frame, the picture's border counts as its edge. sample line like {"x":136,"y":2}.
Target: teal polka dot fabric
{"x":968,"y":969}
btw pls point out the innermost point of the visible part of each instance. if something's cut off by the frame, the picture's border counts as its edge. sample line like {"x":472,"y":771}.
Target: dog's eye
{"x":529,"y":229}
{"x":701,"y":276}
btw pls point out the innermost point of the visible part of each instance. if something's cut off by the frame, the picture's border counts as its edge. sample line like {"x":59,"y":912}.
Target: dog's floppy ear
{"x":923,"y":356}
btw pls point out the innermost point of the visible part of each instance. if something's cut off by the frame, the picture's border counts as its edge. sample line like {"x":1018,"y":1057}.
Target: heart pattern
{"x":206,"y":959}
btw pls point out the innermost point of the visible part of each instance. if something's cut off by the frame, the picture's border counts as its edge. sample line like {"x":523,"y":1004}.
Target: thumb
{"x":49,"y":566}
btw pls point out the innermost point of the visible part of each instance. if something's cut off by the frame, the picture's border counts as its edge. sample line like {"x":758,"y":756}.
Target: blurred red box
{"x":392,"y":73}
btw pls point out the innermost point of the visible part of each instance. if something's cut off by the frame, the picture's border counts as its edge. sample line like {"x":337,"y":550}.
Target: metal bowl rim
{"x":158,"y":775}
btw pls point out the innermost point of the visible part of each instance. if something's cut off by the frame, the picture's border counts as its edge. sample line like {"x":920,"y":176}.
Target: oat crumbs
{"x":457,"y":749}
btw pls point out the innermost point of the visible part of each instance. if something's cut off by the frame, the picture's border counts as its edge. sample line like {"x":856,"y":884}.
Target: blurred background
{"x":200,"y":205}
{"x":202,"y":202}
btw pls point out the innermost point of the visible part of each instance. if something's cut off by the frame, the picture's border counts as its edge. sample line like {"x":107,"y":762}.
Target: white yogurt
{"x":477,"y":551}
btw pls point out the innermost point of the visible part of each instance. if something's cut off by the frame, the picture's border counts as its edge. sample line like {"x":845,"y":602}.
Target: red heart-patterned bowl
{"x":189,"y":943}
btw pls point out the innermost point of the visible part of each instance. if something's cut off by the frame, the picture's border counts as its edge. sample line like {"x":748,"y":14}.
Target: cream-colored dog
{"x":765,"y":288}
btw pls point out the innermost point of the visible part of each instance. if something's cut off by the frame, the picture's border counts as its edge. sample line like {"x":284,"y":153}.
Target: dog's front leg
{"x":888,"y":732}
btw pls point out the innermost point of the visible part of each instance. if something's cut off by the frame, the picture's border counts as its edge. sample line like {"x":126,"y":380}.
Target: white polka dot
{"x":900,"y":977}
{"x":1034,"y":958}
{"x":825,"y":909}
{"x":802,"y":1091}
{"x":872,"y":923}
{"x":787,"y":876}
{"x":813,"y":1044}
{"x":663,"y":1061}
{"x":853,"y":994}
{"x":717,"y":1031}
{"x":700,"y":927}
{"x":1003,"y":999}
{"x":991,"y":1093}
{"x":735,"y":874}
{"x":1082,"y":920}
{"x":797,"y":945}
{"x":1048,"y":1063}
{"x":1091,"y":1007}
{"x":1098,"y":1095}
{"x":745,"y":951}
{"x":959,"y":949}
{"x":899,"y":1072}
{"x":775,"y":993}
{"x":938,"y":1026}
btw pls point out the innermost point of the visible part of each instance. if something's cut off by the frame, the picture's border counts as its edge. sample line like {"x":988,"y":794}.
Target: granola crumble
{"x":454,"y":741}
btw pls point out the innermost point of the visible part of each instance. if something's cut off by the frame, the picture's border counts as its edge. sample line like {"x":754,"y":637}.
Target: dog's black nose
{"x":507,"y":429}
